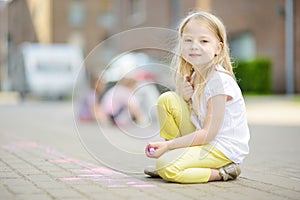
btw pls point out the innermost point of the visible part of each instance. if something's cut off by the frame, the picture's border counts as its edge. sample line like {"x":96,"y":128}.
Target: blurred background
{"x":263,"y":38}
{"x":47,"y":46}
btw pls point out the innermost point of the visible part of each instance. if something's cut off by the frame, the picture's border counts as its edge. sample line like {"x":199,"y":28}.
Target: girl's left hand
{"x":187,"y":88}
{"x":159,"y":147}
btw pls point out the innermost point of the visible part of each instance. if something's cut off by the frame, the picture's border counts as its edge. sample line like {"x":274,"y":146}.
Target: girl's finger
{"x":187,"y":78}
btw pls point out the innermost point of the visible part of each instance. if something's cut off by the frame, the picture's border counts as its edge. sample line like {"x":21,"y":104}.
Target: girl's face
{"x":199,"y":44}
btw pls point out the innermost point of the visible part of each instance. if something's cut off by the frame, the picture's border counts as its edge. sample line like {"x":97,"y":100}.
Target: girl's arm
{"x":213,"y":121}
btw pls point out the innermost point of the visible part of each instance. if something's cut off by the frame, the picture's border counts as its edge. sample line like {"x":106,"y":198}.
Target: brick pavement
{"x":33,"y":171}
{"x":35,"y":168}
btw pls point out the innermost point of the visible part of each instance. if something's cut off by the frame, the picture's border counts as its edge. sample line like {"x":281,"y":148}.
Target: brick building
{"x":255,"y":28}
{"x":263,"y":24}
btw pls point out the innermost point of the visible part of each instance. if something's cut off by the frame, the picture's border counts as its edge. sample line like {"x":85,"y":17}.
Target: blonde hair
{"x":185,"y":68}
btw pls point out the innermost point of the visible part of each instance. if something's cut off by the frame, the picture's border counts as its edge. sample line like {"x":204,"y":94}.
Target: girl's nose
{"x":195,"y":45}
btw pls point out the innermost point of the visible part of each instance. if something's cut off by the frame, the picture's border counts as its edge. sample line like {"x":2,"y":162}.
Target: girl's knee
{"x":167,"y":171}
{"x":167,"y":97}
{"x":168,"y":174}
{"x":171,"y":102}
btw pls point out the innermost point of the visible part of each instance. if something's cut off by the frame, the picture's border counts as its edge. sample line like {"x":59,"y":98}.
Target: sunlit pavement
{"x":46,"y":154}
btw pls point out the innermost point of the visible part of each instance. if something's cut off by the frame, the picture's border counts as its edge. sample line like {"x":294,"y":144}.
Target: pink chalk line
{"x":92,"y":172}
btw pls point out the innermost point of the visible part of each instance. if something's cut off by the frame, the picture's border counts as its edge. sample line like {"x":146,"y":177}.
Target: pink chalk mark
{"x":20,"y":145}
{"x":26,"y":144}
{"x":90,"y":175}
{"x":71,"y":179}
{"x":101,"y":170}
{"x":116,"y":186}
{"x":131,"y":183}
{"x":64,"y":160}
{"x":144,"y":186}
{"x":94,"y":172}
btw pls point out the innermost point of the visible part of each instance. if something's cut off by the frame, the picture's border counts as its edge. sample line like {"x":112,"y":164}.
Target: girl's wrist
{"x":168,"y":144}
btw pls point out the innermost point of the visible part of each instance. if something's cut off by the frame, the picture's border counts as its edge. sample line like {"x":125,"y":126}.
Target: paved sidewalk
{"x":273,"y":110}
{"x":42,"y":157}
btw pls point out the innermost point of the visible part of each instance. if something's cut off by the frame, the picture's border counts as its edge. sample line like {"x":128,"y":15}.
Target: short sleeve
{"x":219,"y":84}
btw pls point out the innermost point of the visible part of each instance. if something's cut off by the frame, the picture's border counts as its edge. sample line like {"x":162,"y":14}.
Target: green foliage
{"x":254,"y":76}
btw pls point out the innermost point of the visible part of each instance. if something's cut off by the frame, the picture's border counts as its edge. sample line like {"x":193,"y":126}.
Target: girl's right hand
{"x":160,"y":149}
{"x":187,"y":88}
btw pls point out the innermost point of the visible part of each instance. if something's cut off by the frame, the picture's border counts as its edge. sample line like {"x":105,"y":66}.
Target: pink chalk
{"x":151,"y":150}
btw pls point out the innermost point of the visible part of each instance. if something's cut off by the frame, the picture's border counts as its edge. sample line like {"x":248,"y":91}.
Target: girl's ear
{"x":219,"y":48}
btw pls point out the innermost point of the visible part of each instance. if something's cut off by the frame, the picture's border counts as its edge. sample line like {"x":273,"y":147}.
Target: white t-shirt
{"x":233,"y":136}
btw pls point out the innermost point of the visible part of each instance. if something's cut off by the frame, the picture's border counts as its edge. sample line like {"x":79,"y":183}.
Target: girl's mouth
{"x":194,"y":55}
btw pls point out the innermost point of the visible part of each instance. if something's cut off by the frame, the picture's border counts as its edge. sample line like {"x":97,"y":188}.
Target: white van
{"x":47,"y":70}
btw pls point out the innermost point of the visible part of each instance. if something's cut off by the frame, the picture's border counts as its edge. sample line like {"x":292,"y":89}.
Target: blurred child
{"x":120,"y":104}
{"x":89,"y":105}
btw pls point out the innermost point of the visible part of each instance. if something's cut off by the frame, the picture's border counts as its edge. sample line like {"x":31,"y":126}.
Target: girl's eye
{"x":188,"y":40}
{"x":204,"y":41}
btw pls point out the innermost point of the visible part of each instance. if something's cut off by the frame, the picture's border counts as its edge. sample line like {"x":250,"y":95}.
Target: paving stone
{"x":33,"y":165}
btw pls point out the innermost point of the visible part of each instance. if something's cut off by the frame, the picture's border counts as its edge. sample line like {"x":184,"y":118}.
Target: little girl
{"x":204,"y":124}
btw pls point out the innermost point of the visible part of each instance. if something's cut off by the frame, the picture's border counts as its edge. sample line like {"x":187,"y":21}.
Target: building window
{"x":137,"y":12}
{"x":77,"y":13}
{"x":243,"y":47}
{"x":106,"y":18}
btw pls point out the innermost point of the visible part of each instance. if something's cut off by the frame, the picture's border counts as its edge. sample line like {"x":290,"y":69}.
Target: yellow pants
{"x":185,"y":165}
